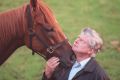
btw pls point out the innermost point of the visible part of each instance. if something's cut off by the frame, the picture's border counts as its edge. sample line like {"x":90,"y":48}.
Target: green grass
{"x":72,"y":15}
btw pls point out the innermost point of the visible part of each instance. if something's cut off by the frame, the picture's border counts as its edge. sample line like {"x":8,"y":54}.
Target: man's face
{"x":81,"y":45}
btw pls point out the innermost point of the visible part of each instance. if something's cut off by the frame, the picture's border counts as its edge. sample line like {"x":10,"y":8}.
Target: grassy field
{"x":102,"y":15}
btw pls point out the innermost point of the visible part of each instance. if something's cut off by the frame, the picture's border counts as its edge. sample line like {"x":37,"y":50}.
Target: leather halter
{"x":49,"y":49}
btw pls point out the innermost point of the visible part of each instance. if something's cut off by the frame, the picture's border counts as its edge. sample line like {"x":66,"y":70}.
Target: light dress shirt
{"x":77,"y":66}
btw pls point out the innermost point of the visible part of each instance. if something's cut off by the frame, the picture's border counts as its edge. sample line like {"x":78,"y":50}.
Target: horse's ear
{"x":33,"y":3}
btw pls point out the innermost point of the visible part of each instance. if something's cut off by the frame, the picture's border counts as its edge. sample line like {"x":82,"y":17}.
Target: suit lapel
{"x":66,"y":74}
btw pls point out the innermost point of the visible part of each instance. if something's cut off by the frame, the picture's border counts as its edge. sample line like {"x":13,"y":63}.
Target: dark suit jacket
{"x":92,"y":71}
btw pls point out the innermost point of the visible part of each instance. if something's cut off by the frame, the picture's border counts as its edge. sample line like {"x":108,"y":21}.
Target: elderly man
{"x":85,"y":67}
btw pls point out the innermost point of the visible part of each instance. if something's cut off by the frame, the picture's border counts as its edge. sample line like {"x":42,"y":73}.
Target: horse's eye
{"x":48,"y":27}
{"x":51,"y":30}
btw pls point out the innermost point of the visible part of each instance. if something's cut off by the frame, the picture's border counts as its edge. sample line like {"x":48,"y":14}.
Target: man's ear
{"x":91,"y":51}
{"x":33,"y":3}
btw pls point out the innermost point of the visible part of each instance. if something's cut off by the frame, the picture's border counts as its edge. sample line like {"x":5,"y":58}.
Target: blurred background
{"x":72,"y":15}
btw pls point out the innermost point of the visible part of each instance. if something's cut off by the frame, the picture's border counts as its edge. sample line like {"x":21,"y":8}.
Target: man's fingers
{"x":52,"y":63}
{"x":54,"y":66}
{"x":53,"y":60}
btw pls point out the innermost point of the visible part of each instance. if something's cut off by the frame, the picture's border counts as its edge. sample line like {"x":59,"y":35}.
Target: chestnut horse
{"x":35,"y":26}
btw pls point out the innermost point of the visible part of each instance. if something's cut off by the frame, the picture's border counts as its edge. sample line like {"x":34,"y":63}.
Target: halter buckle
{"x":50,"y":49}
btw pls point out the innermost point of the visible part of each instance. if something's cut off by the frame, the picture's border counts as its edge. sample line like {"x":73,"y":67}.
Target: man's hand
{"x":51,"y":64}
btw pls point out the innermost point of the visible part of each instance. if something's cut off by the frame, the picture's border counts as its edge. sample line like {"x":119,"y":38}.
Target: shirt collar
{"x":84,"y":62}
{"x":81,"y":63}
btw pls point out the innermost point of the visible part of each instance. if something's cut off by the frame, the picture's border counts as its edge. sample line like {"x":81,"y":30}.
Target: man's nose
{"x":76,"y":41}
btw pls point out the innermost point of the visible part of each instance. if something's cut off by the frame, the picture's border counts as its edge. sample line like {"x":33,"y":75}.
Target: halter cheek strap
{"x":30,"y":26}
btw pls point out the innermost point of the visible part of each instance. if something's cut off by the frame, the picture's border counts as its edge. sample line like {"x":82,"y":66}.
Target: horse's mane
{"x":10,"y":21}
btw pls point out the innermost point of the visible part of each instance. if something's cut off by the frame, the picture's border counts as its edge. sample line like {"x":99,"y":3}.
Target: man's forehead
{"x":85,"y":37}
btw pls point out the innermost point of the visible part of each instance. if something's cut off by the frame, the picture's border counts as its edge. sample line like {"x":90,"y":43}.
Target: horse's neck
{"x":11,"y":32}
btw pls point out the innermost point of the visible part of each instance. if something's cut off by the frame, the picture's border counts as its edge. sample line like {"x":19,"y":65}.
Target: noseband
{"x":49,"y":49}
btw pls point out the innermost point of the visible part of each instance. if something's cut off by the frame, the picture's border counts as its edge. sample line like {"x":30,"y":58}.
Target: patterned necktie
{"x":78,"y":65}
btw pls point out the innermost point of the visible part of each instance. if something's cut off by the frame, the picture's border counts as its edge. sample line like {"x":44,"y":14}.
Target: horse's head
{"x":44,"y":35}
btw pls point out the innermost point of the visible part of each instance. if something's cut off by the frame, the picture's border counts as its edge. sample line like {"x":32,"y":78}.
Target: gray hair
{"x":95,"y":40}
